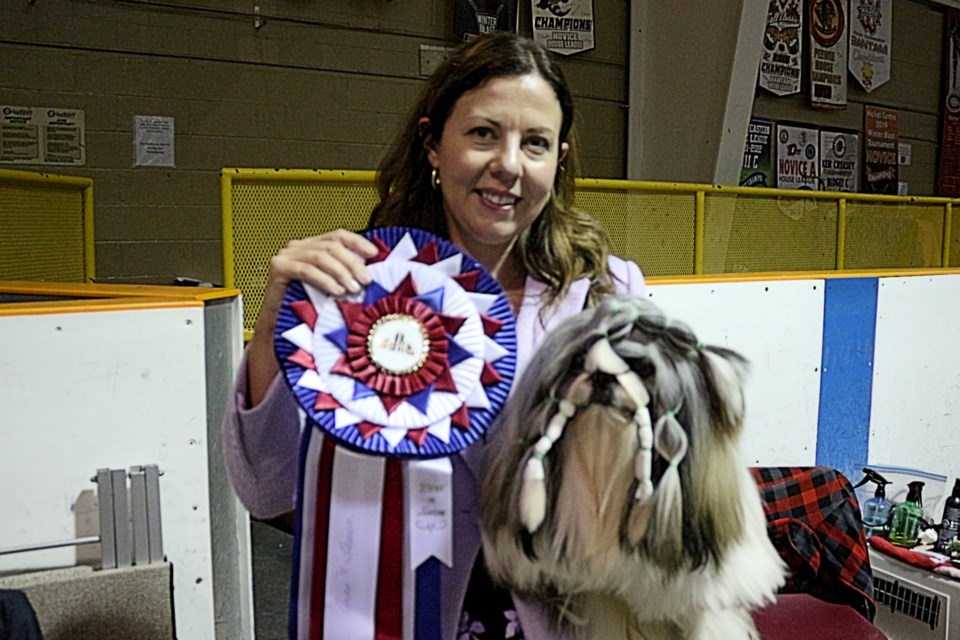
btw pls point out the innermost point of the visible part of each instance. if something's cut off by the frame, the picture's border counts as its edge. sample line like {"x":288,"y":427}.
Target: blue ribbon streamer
{"x":427,"y":614}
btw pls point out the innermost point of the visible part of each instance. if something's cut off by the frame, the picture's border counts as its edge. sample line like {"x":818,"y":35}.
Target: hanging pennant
{"x":757,"y":168}
{"x":797,"y":153}
{"x":782,"y":56}
{"x":828,"y":53}
{"x":948,"y":174}
{"x":563,"y":26}
{"x":871,"y":26}
{"x":880,"y":140}
{"x":839,"y":166}
{"x":475,"y":18}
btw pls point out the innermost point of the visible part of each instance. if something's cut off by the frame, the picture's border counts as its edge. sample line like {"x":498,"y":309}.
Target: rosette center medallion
{"x":397,"y":344}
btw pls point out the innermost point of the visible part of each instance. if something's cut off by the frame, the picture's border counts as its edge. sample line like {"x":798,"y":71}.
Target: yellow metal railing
{"x":670,"y":229}
{"x":709,"y":229}
{"x":46,"y":227}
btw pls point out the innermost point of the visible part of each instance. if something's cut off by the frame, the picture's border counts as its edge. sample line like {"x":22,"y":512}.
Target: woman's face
{"x":497,"y":158}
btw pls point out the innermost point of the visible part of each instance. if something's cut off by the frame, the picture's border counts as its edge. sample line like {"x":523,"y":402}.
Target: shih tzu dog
{"x":614,"y":490}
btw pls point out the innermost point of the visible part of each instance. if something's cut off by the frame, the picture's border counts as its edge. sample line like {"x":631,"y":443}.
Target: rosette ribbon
{"x":393,"y":381}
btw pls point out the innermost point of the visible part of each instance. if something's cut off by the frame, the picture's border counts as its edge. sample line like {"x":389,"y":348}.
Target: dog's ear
{"x":727,"y":372}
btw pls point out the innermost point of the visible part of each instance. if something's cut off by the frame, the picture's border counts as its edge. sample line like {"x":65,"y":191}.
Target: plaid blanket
{"x":813,"y":519}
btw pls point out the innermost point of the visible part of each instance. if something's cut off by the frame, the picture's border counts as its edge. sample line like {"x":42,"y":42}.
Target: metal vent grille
{"x":41,"y":233}
{"x":902,"y":599}
{"x":655,"y":230}
{"x":267,"y":215}
{"x":768,"y":233}
{"x":881,"y":235}
{"x":953,"y":250}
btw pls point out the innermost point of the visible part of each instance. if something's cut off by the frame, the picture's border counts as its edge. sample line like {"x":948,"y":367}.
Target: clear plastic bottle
{"x":907,"y":517}
{"x":876,"y":510}
{"x":950,"y":523}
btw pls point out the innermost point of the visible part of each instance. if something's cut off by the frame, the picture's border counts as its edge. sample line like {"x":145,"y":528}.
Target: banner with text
{"x":41,"y":135}
{"x":797,"y":157}
{"x":563,"y":26}
{"x":839,"y":161}
{"x":757,"y":169}
{"x":871,"y":23}
{"x":474,"y":18}
{"x":880,"y":136}
{"x":828,"y":53}
{"x":948,"y":173}
{"x":782,"y":56}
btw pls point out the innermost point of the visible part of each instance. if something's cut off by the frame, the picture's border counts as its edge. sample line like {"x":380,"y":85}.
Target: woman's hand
{"x":334,"y":263}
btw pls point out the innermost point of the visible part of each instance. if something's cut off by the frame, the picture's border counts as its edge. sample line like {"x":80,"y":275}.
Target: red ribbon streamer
{"x":389,"y":609}
{"x":321,"y":533}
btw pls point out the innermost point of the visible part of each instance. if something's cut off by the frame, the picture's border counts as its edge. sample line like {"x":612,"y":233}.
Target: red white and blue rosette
{"x":415,"y":366}
{"x":393,"y":381}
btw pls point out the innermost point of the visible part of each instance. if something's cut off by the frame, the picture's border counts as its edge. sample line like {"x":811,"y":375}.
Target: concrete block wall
{"x":322,"y":84}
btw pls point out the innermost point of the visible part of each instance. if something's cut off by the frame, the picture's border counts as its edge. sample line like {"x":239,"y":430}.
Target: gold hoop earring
{"x":435,"y":179}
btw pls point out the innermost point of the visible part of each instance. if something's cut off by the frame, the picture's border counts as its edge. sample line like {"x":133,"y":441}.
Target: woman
{"x":487,"y":159}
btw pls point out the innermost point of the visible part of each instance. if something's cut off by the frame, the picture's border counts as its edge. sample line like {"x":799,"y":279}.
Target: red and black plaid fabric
{"x":813,"y":519}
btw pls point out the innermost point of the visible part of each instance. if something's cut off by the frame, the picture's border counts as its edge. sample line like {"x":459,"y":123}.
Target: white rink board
{"x":915,"y":409}
{"x":106,"y":389}
{"x":778,"y":327}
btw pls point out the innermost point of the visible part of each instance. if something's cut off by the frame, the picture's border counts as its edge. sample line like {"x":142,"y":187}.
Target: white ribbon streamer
{"x":307,"y":537}
{"x":429,"y":493}
{"x":353,"y":545}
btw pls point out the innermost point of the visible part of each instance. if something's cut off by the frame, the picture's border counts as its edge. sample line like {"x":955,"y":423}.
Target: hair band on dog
{"x":533,"y":492}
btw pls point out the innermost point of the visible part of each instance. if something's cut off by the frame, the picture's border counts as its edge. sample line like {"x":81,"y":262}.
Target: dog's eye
{"x":642,"y":365}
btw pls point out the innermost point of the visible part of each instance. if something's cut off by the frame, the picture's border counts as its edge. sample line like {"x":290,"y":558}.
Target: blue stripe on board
{"x":846,"y":377}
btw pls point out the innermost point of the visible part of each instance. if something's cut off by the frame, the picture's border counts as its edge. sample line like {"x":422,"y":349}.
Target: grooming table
{"x":800,"y":616}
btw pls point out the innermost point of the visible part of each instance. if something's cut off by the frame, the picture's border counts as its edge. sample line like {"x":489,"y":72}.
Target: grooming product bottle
{"x":876,"y":510}
{"x":950,"y":523}
{"x":907,"y":517}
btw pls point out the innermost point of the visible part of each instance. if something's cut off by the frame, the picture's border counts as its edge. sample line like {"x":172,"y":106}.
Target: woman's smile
{"x":498,"y":199}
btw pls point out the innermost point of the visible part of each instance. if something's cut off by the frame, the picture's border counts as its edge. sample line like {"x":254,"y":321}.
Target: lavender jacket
{"x":261,"y":447}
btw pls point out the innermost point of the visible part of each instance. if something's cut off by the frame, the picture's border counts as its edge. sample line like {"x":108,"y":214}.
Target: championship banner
{"x":828,"y":53}
{"x":880,"y":137}
{"x":757,"y":169}
{"x":948,"y":174}
{"x":839,"y":165}
{"x":797,"y":157}
{"x":782,"y":56}
{"x":563,"y":26}
{"x":475,"y":18}
{"x":393,"y":380}
{"x":871,"y":26}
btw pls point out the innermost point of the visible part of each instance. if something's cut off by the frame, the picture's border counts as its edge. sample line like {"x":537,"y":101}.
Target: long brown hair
{"x":562,"y":245}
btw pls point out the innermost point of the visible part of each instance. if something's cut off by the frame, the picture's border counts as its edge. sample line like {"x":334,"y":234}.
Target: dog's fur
{"x":688,"y":563}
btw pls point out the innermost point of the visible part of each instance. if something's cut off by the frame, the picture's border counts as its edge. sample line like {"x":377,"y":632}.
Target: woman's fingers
{"x":334,"y":262}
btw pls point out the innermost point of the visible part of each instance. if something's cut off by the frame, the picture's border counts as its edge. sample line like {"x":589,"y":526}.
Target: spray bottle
{"x":876,"y":510}
{"x":951,"y":519}
{"x":907,"y":517}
